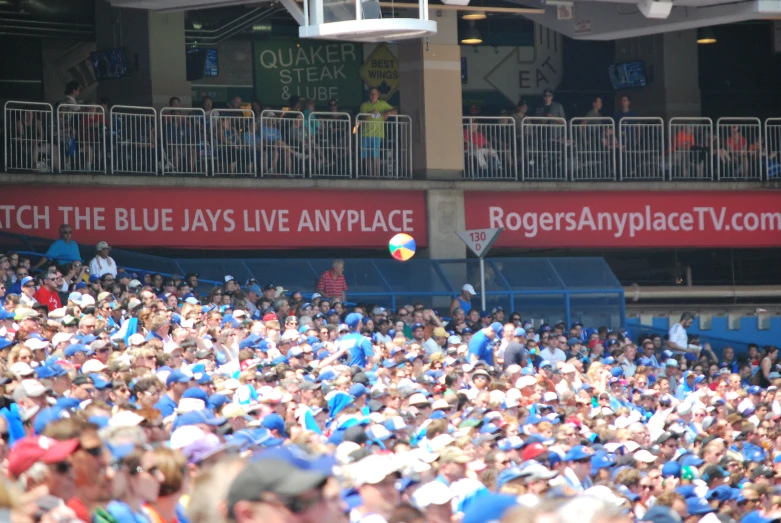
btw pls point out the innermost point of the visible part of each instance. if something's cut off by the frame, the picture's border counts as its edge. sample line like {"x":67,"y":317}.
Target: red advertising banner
{"x":623,"y":219}
{"x":215,"y":218}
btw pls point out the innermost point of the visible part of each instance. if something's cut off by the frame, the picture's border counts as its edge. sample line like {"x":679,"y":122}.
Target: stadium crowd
{"x":143,"y":398}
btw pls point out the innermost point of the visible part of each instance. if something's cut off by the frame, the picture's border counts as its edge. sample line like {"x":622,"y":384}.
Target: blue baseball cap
{"x":198,"y":417}
{"x":577,"y":453}
{"x":197,"y":393}
{"x":74,"y":348}
{"x":698,"y":506}
{"x":754,"y":389}
{"x":519,"y":331}
{"x":497,"y":328}
{"x":671,"y":469}
{"x":601,"y":460}
{"x":6,"y":315}
{"x":507,"y":475}
{"x":274,"y":422}
{"x":177,"y":376}
{"x":488,"y":507}
{"x":216,"y":400}
{"x":417,"y":326}
{"x":357,"y":390}
{"x":353,"y":319}
{"x":101,"y":383}
{"x":55,"y":370}
{"x":46,"y":416}
{"x":485,"y":314}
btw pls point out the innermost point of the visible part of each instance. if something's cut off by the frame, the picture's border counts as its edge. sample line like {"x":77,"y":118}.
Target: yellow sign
{"x":381,"y":70}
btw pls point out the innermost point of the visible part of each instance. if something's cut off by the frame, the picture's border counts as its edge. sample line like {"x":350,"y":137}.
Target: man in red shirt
{"x":47,"y":294}
{"x":332,"y":283}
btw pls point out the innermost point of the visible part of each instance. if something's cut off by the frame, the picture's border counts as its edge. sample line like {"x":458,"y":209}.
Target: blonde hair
{"x":174,"y":467}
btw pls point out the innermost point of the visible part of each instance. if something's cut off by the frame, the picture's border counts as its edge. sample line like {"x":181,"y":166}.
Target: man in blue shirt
{"x":481,"y":347}
{"x":63,"y":249}
{"x":359,"y":346}
{"x":177,"y":382}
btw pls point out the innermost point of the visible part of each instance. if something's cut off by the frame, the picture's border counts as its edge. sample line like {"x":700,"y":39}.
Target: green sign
{"x":316,"y":70}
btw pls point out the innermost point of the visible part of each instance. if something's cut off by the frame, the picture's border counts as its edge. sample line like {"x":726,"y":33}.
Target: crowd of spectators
{"x":147,"y":398}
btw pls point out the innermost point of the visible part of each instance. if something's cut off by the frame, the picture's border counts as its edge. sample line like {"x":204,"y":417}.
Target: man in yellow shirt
{"x":373,"y":130}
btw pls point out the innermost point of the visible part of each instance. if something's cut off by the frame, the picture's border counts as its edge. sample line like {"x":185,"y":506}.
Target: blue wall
{"x":719,"y":336}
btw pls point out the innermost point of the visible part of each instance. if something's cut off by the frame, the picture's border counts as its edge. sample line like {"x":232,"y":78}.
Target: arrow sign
{"x":480,"y":241}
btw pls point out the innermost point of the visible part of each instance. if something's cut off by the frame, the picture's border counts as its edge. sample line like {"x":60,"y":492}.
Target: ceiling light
{"x":706,"y":35}
{"x":474,"y":15}
{"x":472,"y":36}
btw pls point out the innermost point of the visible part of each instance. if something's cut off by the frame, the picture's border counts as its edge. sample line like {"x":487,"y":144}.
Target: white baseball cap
{"x":468,"y":288}
{"x":91,"y":366}
{"x":36,"y":344}
{"x":432,"y":493}
{"x":61,"y":337}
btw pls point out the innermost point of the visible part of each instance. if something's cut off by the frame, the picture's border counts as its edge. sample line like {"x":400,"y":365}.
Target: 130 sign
{"x":480,"y":241}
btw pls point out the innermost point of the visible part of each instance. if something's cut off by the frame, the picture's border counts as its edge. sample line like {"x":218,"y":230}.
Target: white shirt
{"x":677,"y":335}
{"x":553,"y":357}
{"x":101,"y":266}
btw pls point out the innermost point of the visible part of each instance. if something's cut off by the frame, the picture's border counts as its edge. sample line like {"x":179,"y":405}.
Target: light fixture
{"x":197,"y":26}
{"x":474,"y":15}
{"x":472,"y":36}
{"x":706,"y":35}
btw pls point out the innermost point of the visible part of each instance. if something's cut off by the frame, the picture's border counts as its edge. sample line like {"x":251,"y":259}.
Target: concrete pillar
{"x":445,"y":217}
{"x":155,"y":49}
{"x":671,"y":65}
{"x":431,"y":94}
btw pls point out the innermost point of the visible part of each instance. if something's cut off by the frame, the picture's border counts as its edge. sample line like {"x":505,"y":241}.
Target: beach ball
{"x":402,"y":246}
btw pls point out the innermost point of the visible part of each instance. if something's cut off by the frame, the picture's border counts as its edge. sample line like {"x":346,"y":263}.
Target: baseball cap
{"x":577,"y":453}
{"x":277,"y":476}
{"x":468,"y":288}
{"x":29,"y":450}
{"x":274,"y":422}
{"x":532,"y":451}
{"x":432,"y":493}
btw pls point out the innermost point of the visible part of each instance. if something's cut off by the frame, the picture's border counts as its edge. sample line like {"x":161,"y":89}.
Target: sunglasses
{"x":63,"y":467}
{"x":93,"y":451}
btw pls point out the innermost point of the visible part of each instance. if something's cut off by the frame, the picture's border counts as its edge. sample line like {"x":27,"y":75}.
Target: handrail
{"x":70,"y":138}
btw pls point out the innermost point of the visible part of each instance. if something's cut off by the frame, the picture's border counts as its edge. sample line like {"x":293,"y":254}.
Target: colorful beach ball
{"x":402,"y":246}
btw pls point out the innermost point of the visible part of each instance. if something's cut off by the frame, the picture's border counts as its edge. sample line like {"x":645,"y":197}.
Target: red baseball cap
{"x":270,"y":317}
{"x":28,"y":451}
{"x":532,"y":450}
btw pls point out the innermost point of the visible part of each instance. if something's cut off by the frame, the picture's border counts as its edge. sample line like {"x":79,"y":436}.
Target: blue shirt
{"x":124,"y":514}
{"x":466,"y":306}
{"x":60,"y":250}
{"x":359,"y":347}
{"x":166,"y":405}
{"x":482,"y":347}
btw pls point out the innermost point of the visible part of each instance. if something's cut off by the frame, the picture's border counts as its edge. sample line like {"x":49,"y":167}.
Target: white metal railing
{"x":185,"y":149}
{"x":690,"y":148}
{"x":133,"y":144}
{"x":81,"y":138}
{"x":330,"y":144}
{"x":490,"y":148}
{"x":138,"y":140}
{"x":28,"y":132}
{"x":383,"y":148}
{"x":282,"y":143}
{"x":642,"y":148}
{"x":544,"y":148}
{"x":594,"y":145}
{"x":738,"y":149}
{"x":233,"y":142}
{"x":772,"y":149}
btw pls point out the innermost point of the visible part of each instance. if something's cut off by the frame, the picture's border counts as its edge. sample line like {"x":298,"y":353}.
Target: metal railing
{"x":490,"y":148}
{"x":76,"y":138}
{"x":739,"y":149}
{"x":690,"y":148}
{"x":383,"y":148}
{"x":185,"y":149}
{"x":330,"y":144}
{"x":233,"y":142}
{"x":81,"y":138}
{"x":133,"y":145}
{"x":594,"y":146}
{"x":544,"y":148}
{"x":29,"y":137}
{"x":282,"y":143}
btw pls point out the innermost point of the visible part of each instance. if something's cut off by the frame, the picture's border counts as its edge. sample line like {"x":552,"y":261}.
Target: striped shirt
{"x":330,"y":285}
